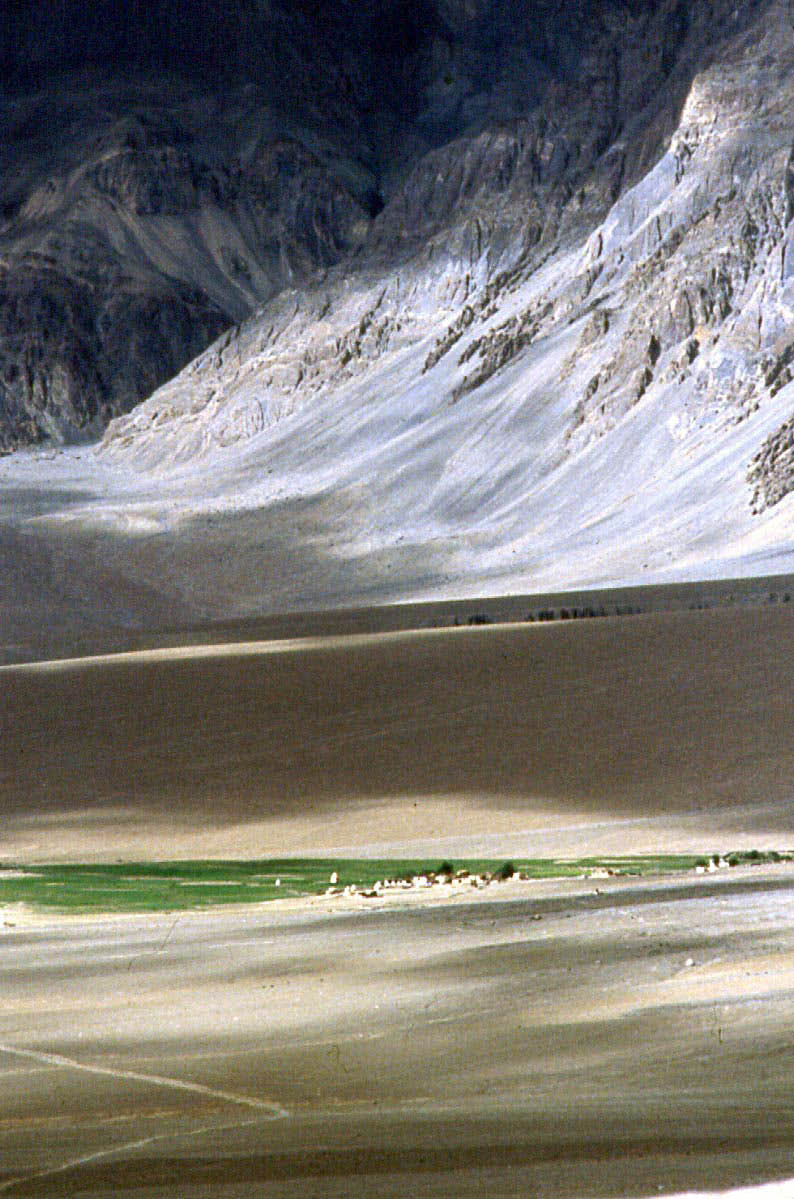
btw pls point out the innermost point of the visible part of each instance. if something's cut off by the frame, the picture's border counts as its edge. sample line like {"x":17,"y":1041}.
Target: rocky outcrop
{"x":771,"y":472}
{"x":130,"y":246}
{"x":78,"y":349}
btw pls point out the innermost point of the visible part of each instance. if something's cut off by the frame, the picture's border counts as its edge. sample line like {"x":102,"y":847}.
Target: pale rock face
{"x":675,"y":299}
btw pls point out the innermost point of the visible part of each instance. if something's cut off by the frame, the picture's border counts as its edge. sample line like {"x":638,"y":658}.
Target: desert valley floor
{"x":610,"y":1037}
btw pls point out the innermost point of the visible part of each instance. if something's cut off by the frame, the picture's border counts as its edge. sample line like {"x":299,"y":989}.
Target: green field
{"x":178,"y":886}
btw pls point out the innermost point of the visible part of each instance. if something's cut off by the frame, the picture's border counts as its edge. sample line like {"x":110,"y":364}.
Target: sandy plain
{"x":569,"y":1039}
{"x":660,"y":732}
{"x":618,"y":1037}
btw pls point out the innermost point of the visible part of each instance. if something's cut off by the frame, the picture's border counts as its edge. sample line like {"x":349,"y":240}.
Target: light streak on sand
{"x":275,"y":1110}
{"x":240,"y":649}
{"x":129,"y":1146}
{"x":768,"y":1190}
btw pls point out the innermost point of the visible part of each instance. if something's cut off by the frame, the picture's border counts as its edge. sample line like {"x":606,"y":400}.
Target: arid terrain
{"x":669,"y":731}
{"x":318,"y":324}
{"x":592,"y":1037}
{"x":619,"y":1038}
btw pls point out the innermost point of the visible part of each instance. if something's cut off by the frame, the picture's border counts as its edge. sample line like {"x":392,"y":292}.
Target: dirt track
{"x":634,"y":1039}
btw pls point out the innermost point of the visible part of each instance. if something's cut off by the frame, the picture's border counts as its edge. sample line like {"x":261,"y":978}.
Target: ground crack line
{"x":275,"y":1110}
{"x":75,"y":1163}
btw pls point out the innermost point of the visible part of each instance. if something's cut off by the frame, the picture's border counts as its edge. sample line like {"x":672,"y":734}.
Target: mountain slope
{"x":609,"y":382}
{"x":165,"y":169}
{"x":162,"y":221}
{"x":561,"y":356}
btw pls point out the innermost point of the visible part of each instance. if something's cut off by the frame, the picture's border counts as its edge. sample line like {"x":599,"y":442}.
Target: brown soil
{"x":655,"y":732}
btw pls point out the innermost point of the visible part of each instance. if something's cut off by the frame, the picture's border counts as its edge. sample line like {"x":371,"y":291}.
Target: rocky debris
{"x":448,"y":339}
{"x":771,"y":472}
{"x":778,"y":368}
{"x":450,"y":880}
{"x":370,"y":338}
{"x":500,"y":346}
{"x":485,"y":303}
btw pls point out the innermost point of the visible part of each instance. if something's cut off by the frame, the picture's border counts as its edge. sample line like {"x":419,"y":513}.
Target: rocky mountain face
{"x":167,"y":168}
{"x":506,"y":300}
{"x":636,"y":216}
{"x":164,"y":168}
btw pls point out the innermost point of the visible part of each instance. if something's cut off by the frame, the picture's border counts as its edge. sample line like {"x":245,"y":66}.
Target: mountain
{"x":515,"y":313}
{"x":166,"y":168}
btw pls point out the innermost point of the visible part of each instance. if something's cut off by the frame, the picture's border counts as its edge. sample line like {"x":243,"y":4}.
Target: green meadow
{"x":178,"y":886}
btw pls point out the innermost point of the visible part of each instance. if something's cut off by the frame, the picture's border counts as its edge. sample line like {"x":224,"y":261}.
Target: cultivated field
{"x":181,"y":886}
